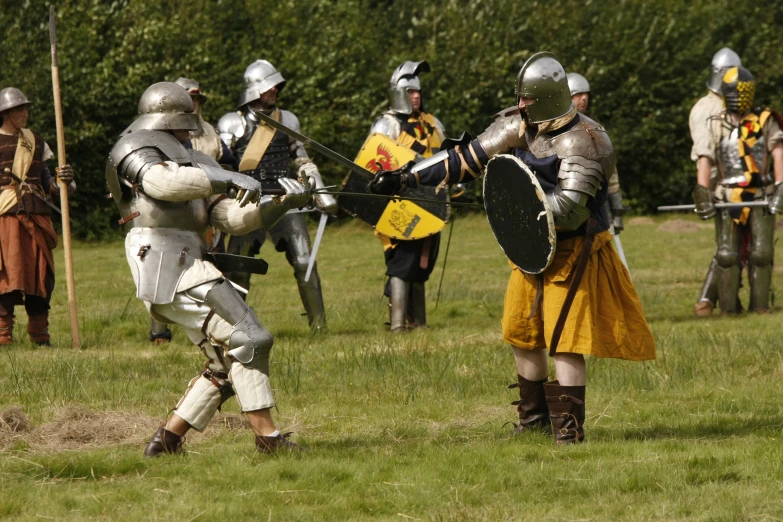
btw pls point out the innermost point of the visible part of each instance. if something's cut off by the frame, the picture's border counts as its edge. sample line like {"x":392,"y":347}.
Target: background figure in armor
{"x":26,"y":233}
{"x":704,"y":123}
{"x":267,"y":155}
{"x":168,"y":195}
{"x":409,"y":263}
{"x":748,"y":154}
{"x":580,"y":95}
{"x":204,"y":139}
{"x":572,"y":158}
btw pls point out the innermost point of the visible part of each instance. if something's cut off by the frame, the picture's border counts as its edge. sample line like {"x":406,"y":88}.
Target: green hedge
{"x":646,"y":61}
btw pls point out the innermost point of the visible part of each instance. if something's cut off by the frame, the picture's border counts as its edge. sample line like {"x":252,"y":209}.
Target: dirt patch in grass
{"x":77,"y":429}
{"x":640,"y":220}
{"x":81,"y":429}
{"x":779,"y":223}
{"x":678,"y":225}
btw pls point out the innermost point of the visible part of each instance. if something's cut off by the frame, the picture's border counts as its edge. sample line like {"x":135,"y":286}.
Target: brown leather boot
{"x":531,"y":406}
{"x":7,"y":329}
{"x":38,"y":329}
{"x":266,"y":444}
{"x":164,"y":441}
{"x":703,"y":309}
{"x":567,"y":411}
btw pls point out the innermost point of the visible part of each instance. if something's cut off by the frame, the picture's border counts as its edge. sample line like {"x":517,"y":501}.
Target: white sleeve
{"x":227,"y":216}
{"x":170,"y":182}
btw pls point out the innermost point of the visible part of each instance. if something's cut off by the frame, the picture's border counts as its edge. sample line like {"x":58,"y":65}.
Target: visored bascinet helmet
{"x":165,"y":106}
{"x":260,"y":76}
{"x":543,"y":79}
{"x":577,"y":84}
{"x":11,"y":97}
{"x":738,"y":88}
{"x":193,"y":88}
{"x":723,"y":59}
{"x":405,"y":78}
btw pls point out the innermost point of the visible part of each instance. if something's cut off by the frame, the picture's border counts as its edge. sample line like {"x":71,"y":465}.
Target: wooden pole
{"x":64,"y":208}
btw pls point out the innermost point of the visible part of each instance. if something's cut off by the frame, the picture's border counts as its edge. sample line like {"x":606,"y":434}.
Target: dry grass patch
{"x":640,"y":220}
{"x":678,"y":225}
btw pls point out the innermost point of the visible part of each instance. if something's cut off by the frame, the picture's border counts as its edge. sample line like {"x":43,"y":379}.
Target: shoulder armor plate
{"x":387,"y":125}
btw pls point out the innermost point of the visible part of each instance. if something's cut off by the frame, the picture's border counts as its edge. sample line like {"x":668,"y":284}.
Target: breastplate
{"x":731,"y":163}
{"x":276,"y":161}
{"x":154,"y":213}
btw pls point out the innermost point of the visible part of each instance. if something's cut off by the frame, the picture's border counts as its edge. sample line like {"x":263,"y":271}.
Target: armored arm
{"x":616,"y":202}
{"x":230,"y":128}
{"x":578,"y":180}
{"x":230,"y":217}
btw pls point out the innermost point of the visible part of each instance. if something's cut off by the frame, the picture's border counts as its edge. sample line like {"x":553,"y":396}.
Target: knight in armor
{"x":409,"y":263}
{"x":268,"y":155}
{"x":572,"y":158}
{"x":580,"y":95}
{"x":204,"y":139}
{"x":168,"y":195}
{"x":26,"y":233}
{"x":748,"y":154}
{"x":704,"y":123}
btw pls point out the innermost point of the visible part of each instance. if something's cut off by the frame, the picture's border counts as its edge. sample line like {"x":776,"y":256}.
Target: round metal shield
{"x":519,"y":214}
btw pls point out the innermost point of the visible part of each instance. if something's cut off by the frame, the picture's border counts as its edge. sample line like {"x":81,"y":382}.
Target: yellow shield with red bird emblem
{"x":400,"y":219}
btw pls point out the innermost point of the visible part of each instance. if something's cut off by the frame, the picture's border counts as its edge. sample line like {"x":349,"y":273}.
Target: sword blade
{"x":326,"y":151}
{"x":316,"y":244}
{"x":721,"y":206}
{"x":621,"y":252}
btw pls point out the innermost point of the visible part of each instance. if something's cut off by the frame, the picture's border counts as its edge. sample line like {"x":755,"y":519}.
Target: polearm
{"x":719,"y":206}
{"x":64,"y":207}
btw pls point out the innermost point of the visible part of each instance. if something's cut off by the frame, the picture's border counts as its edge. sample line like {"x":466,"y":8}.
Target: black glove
{"x":392,"y":182}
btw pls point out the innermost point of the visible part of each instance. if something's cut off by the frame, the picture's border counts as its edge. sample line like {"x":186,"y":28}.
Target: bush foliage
{"x":646,"y":61}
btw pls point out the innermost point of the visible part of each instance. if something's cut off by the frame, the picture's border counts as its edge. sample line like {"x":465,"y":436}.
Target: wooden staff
{"x":64,"y":208}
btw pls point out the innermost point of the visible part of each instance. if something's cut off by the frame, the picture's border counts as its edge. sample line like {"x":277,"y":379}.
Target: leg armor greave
{"x":159,"y":332}
{"x":727,"y":259}
{"x":297,"y":242}
{"x":417,"y":305}
{"x":249,"y":346}
{"x":762,"y":242}
{"x":709,"y":291}
{"x":398,"y":303}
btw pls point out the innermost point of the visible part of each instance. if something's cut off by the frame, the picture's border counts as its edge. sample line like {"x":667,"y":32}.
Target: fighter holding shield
{"x":556,"y":234}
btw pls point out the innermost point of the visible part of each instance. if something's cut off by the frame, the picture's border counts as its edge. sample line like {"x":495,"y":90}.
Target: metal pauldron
{"x":502,"y":135}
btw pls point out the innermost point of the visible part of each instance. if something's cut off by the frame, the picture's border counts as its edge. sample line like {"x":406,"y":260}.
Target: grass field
{"x":399,"y":427}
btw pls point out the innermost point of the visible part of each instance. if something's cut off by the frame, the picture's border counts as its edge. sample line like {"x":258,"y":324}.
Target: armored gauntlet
{"x":776,"y":200}
{"x":702,"y":197}
{"x":617,"y":208}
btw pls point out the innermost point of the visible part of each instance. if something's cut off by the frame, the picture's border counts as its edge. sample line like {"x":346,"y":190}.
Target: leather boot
{"x":164,"y":441}
{"x":7,"y":329}
{"x":567,"y":411}
{"x":266,"y":444}
{"x":38,"y":329}
{"x":531,"y":406}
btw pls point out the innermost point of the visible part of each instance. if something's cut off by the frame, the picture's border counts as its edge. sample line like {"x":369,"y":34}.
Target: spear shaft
{"x":64,"y":207}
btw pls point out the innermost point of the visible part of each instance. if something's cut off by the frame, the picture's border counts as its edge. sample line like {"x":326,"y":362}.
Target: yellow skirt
{"x":606,"y":318}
